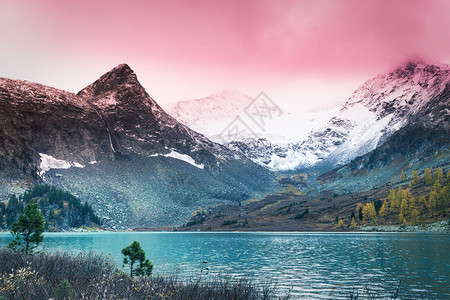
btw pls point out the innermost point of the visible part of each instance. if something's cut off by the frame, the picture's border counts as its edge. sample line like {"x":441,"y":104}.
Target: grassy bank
{"x":92,"y":276}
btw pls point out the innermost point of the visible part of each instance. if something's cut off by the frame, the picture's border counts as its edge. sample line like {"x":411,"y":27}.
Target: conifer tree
{"x":432,"y":201}
{"x":28,"y":230}
{"x":392,"y":198}
{"x":383,"y":209}
{"x":353,"y":223}
{"x":414,"y":217}
{"x":437,"y":186}
{"x":423,"y":202}
{"x":427,"y":176}
{"x":415,"y":177}
{"x":358,"y":209}
{"x":369,"y":212}
{"x":410,"y":201}
{"x":438,"y":175}
{"x":444,"y":200}
{"x":340,"y":224}
{"x":404,"y":206}
{"x":135,"y":254}
{"x":401,"y":217}
{"x":402,"y":176}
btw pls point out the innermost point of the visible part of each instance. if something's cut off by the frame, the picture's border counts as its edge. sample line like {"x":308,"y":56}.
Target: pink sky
{"x":309,"y":53}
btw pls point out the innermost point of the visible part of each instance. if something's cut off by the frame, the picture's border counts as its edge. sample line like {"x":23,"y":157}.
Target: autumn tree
{"x":410,"y":201}
{"x":422,"y":202}
{"x":383,"y":209}
{"x":135,"y":254}
{"x":28,"y":230}
{"x":432,"y":201}
{"x":340,"y":224}
{"x":414,"y":217}
{"x":444,"y":200}
{"x":438,"y":175}
{"x":401,"y":218}
{"x":404,"y":206}
{"x":402,"y":176}
{"x":415,"y":177}
{"x":437,"y":186}
{"x":369,"y":212}
{"x":353,"y":223}
{"x":392,"y":198}
{"x":427,"y":176}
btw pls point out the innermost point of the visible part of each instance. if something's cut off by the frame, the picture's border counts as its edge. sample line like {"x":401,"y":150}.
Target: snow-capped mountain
{"x":376,"y":110}
{"x":113,"y":145}
{"x":210,"y":115}
{"x":213,"y":114}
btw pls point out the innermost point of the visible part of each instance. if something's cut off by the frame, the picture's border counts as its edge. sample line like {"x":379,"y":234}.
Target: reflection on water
{"x":314,"y":265}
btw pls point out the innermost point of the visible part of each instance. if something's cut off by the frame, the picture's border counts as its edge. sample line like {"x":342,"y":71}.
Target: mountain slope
{"x":113,"y":145}
{"x":424,"y":142}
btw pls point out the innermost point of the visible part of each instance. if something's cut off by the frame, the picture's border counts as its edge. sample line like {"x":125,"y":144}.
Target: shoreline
{"x":442,"y":226}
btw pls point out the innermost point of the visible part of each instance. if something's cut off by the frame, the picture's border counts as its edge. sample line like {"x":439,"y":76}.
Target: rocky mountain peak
{"x":120,"y":76}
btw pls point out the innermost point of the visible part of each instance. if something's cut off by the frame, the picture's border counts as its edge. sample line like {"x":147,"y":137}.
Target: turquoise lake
{"x":313,"y":265}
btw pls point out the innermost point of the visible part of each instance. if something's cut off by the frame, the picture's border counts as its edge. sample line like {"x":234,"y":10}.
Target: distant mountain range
{"x":138,"y":166}
{"x":375,"y":111}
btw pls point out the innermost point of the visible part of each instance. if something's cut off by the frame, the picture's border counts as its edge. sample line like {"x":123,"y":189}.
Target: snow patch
{"x":185,"y":158}
{"x":49,"y":162}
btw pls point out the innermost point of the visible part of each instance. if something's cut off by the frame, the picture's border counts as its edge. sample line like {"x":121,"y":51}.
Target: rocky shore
{"x":437,"y":227}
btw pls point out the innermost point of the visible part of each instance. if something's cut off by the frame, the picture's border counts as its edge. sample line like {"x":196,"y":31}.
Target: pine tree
{"x":135,"y":254}
{"x":358,"y":209}
{"x":415,"y":177}
{"x":28,"y":230}
{"x":402,"y":176}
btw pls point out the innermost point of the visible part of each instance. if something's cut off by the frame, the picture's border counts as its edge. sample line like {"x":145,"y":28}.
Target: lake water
{"x":314,"y":265}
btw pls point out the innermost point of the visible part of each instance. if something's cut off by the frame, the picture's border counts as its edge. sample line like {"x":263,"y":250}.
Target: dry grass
{"x":91,"y":276}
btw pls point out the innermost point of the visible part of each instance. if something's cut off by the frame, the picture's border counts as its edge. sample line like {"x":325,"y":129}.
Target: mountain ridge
{"x":377,"y":109}
{"x":113,"y":145}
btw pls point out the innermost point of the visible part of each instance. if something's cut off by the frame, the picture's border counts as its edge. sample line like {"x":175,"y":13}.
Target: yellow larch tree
{"x":369,"y":212}
{"x":353,"y":223}
{"x":415,"y":177}
{"x":402,"y":176}
{"x":383,"y":209}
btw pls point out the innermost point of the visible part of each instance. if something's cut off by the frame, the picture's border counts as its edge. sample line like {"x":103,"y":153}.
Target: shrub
{"x":93,"y":277}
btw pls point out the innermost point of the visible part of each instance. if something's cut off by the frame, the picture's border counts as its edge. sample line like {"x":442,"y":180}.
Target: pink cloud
{"x":247,"y":40}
